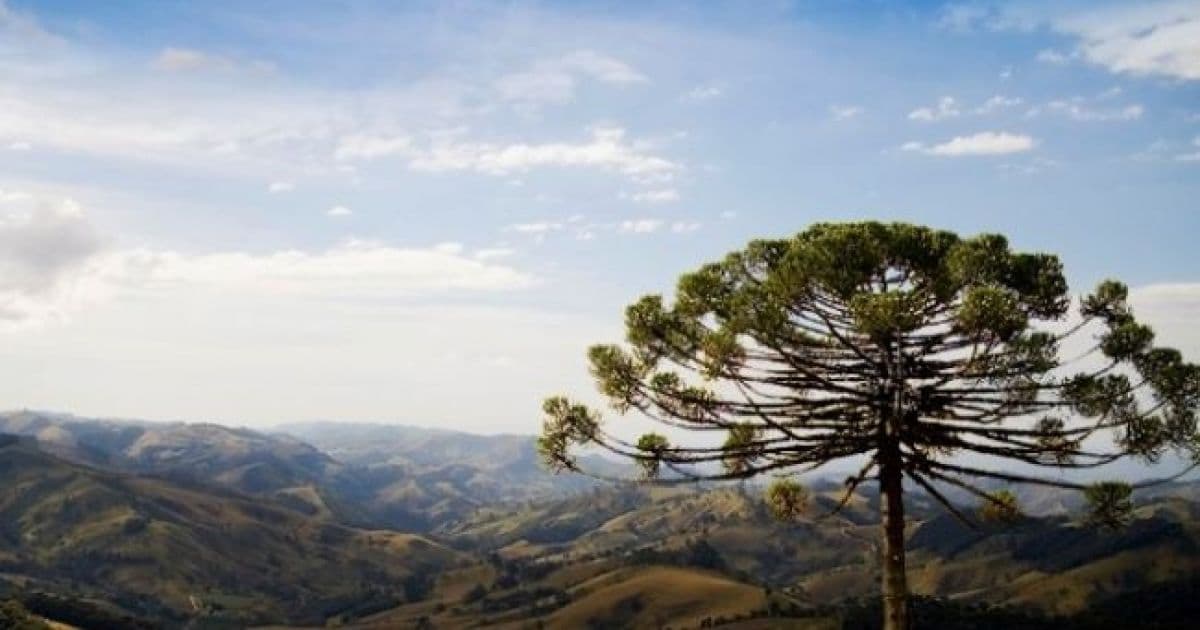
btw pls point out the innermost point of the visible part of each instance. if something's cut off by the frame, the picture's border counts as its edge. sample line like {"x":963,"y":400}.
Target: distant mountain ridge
{"x":407,"y":478}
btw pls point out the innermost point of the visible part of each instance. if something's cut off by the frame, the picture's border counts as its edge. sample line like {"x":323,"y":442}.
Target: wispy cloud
{"x":640,"y":226}
{"x":997,"y":103}
{"x":947,"y":107}
{"x":1147,"y":39}
{"x":339,"y":211}
{"x":1193,"y":156}
{"x":554,"y":81}
{"x":536,"y":227}
{"x":368,"y":147}
{"x":1052,"y":57}
{"x":53,"y":261}
{"x":1077,"y":109}
{"x":607,"y":149}
{"x":172,"y":59}
{"x":662,"y":195}
{"x":845,"y":112}
{"x":703,"y":93}
{"x":982,"y":143}
{"x":493,"y":253}
{"x":1153,"y":38}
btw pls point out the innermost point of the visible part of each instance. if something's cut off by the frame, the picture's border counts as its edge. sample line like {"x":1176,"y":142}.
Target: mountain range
{"x":175,"y":524}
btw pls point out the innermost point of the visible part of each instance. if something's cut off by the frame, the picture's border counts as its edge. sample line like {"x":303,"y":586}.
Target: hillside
{"x":1053,"y":564}
{"x":397,"y":477}
{"x":159,"y":520}
{"x":241,"y":459}
{"x":443,"y":475}
{"x":174,"y":550}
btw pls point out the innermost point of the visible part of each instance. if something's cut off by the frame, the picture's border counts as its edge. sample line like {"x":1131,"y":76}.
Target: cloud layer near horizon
{"x":53,"y":263}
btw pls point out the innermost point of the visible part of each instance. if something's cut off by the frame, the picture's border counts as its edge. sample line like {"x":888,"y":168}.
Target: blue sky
{"x":276,"y":211}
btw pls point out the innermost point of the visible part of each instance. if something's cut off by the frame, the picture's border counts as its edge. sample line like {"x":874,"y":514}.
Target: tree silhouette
{"x":902,"y":346}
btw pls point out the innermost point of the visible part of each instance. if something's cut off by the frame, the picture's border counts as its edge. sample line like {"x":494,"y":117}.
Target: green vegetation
{"x":175,"y":551}
{"x":897,"y":344}
{"x":13,"y":616}
{"x":93,"y":547}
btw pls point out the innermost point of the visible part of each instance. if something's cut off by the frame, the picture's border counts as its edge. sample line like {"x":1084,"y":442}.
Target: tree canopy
{"x":926,"y":354}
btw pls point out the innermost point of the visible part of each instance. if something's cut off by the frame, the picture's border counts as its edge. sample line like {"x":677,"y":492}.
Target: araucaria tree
{"x":927,"y":356}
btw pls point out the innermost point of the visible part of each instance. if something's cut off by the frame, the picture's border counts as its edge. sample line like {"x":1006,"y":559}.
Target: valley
{"x":383,"y":526}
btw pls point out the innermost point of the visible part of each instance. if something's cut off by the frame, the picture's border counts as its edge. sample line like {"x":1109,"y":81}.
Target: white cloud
{"x":86,"y":103}
{"x":845,"y":112}
{"x":640,"y":226}
{"x":368,"y":147}
{"x":493,"y":253}
{"x":536,"y":227}
{"x":1076,"y":109}
{"x":1143,"y":39}
{"x":946,"y":107}
{"x":728,"y":215}
{"x":949,"y":107}
{"x":683,"y":227}
{"x":963,"y":17}
{"x":982,"y":143}
{"x":554,"y":81}
{"x":602,"y":68}
{"x":41,"y":244}
{"x":662,"y":195}
{"x":80,"y":101}
{"x":1150,"y":38}
{"x":607,"y":149}
{"x":14,"y":195}
{"x":19,"y":146}
{"x":53,"y":263}
{"x":1052,"y":57}
{"x":280,"y":186}
{"x":703,"y":93}
{"x":352,"y":269}
{"x":996,"y":103}
{"x":339,"y":211}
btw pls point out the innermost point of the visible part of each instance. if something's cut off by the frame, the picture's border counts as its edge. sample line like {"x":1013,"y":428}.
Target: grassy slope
{"x":657,"y":596}
{"x":191,"y":549}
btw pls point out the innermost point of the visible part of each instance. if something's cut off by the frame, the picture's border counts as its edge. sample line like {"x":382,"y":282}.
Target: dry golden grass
{"x":1071,"y":591}
{"x":667,"y":595}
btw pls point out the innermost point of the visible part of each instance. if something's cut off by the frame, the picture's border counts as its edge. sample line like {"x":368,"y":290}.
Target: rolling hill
{"x":176,"y":550}
{"x":160,"y":520}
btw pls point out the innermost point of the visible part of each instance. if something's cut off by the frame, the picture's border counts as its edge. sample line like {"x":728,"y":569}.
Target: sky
{"x":255,"y":213}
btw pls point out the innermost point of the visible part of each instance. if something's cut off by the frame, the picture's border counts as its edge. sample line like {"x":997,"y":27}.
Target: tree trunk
{"x":891,"y":504}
